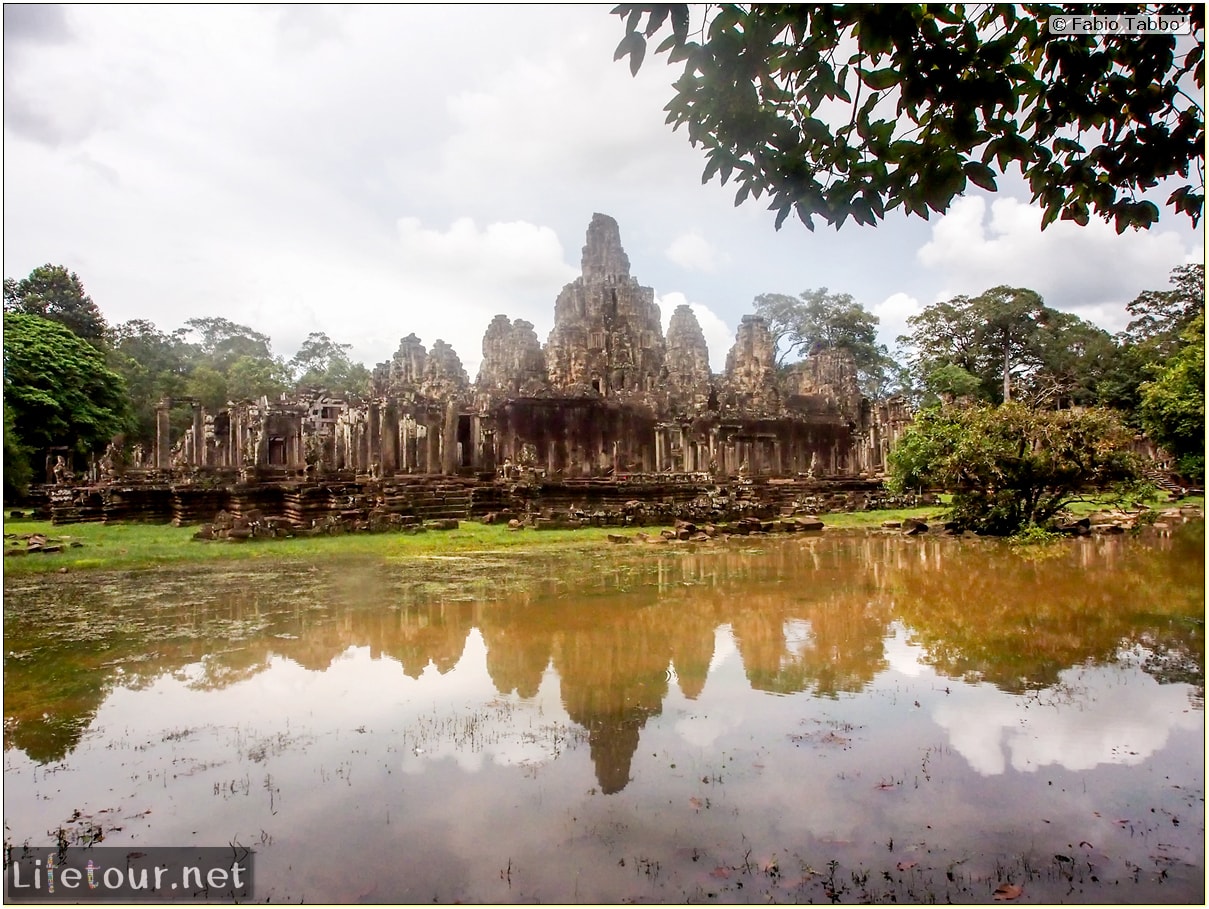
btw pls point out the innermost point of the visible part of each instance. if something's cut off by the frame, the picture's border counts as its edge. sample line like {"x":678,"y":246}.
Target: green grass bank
{"x":124,"y":547}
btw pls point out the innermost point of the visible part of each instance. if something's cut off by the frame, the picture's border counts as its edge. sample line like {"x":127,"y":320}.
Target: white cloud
{"x":1092,"y":271}
{"x":892,"y":314}
{"x":693,"y":251}
{"x":997,"y":729}
{"x":561,"y":113}
{"x":719,"y":337}
{"x":278,"y":190}
{"x":509,"y":256}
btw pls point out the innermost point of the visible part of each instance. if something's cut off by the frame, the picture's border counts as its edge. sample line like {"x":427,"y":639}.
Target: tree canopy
{"x":1173,"y":403}
{"x":1005,"y":344}
{"x":53,"y":292}
{"x":323,"y":363}
{"x":854,"y":110}
{"x":1010,"y":466}
{"x":59,"y":389}
{"x":1160,"y":316}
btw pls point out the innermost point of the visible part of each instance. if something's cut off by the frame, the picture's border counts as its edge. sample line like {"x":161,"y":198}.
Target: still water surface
{"x":839,"y":718}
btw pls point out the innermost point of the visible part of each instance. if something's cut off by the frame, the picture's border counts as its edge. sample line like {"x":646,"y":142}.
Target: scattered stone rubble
{"x":29,"y":543}
{"x":1120,"y":521}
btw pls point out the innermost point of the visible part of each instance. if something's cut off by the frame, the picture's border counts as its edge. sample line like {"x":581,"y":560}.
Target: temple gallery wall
{"x":608,"y":397}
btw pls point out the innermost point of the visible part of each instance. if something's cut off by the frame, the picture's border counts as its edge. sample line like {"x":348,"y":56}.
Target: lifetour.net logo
{"x":109,"y":874}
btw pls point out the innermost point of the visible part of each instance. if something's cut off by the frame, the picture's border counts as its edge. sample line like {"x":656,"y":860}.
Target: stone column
{"x":197,"y":457}
{"x":374,"y":432}
{"x":449,"y":440}
{"x":389,"y":434}
{"x":163,"y":435}
{"x":234,"y":438}
{"x":432,"y":463}
{"x":297,"y":455}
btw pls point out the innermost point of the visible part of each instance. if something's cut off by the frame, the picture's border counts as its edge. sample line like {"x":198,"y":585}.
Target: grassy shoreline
{"x":127,"y":547}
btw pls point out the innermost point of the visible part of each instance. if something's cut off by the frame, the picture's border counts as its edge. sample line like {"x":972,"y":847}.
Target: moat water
{"x":835,"y":718}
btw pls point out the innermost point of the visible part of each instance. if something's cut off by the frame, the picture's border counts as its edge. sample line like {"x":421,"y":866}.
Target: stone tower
{"x":750,"y":376}
{"x":512,"y":359}
{"x":607,"y":337}
{"x":687,"y":360}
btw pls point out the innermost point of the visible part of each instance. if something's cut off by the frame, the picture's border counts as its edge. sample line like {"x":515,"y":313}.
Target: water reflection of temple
{"x":805,"y":616}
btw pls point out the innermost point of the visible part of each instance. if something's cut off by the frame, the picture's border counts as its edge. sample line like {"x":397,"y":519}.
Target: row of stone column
{"x":728,"y":450}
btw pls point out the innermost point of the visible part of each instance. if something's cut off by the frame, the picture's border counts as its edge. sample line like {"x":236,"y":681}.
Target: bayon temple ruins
{"x":608,"y":402}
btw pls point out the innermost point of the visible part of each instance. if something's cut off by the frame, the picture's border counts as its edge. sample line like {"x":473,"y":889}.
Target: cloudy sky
{"x":379,"y":170}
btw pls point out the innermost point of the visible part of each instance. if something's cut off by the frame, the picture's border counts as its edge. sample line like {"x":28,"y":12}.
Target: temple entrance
{"x":465,"y":449}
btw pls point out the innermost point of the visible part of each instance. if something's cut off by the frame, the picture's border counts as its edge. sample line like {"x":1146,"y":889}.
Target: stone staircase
{"x":1165,"y":481}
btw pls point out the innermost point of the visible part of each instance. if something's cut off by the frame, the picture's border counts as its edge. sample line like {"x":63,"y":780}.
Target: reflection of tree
{"x":988,"y":612}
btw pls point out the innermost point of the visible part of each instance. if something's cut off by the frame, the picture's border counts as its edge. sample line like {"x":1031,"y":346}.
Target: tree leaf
{"x":881,"y":78}
{"x":980,"y":175}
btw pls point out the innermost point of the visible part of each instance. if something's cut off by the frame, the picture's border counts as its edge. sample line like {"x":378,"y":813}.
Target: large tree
{"x":1012,"y":344}
{"x":53,"y":292}
{"x":230,"y":361}
{"x":155,"y":365}
{"x":59,"y":389}
{"x":1010,"y":466}
{"x":323,"y":363}
{"x":819,"y":320}
{"x":1173,"y":403}
{"x":1160,"y":316}
{"x":852,"y":110}
{"x":220,"y":342}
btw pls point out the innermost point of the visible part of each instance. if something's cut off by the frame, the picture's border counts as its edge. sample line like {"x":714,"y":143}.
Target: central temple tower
{"x":607,"y":335}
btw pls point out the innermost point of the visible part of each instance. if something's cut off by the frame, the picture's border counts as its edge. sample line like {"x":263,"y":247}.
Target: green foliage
{"x":250,"y":378}
{"x":209,"y":386}
{"x":1032,"y":535}
{"x":154,"y":366}
{"x":58,"y":388}
{"x":1160,"y":316}
{"x":221,"y":342}
{"x":1013,"y":346}
{"x":817,"y":320}
{"x":1010,"y":466}
{"x":54,"y":293}
{"x":1173,"y":403}
{"x":950,"y":382}
{"x":852,"y":110}
{"x":17,"y":470}
{"x":322,"y":363}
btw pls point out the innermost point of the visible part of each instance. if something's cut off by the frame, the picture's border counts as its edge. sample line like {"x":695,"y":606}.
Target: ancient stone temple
{"x":607,"y":411}
{"x":608,"y":395}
